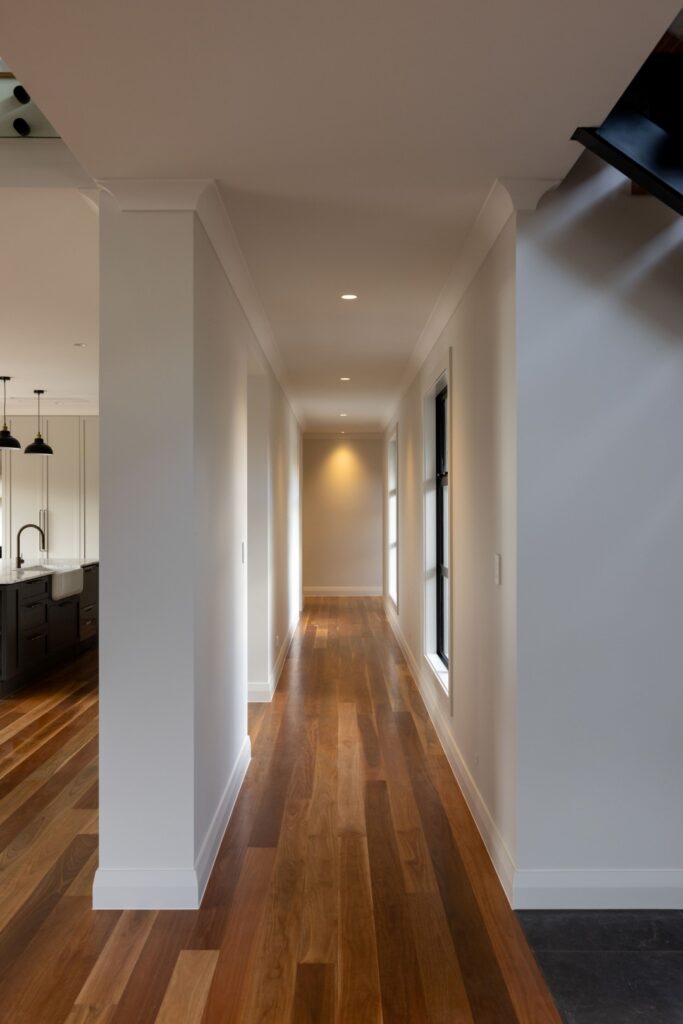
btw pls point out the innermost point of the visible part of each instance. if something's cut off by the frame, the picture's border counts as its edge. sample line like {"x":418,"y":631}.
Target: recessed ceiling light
{"x":349,"y":297}
{"x":79,"y":344}
{"x":344,"y":378}
{"x":342,"y":414}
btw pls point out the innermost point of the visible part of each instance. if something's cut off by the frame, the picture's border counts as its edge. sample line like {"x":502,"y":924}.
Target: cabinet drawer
{"x":32,"y":589}
{"x":33,"y":615}
{"x":88,"y":626}
{"x":32,"y":649}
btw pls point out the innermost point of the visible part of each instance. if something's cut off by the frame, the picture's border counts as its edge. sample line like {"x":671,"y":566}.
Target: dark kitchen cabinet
{"x":89,"y":603}
{"x":37,"y":632}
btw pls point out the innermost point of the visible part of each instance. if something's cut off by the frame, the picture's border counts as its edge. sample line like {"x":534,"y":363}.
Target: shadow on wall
{"x":614,"y":241}
{"x":612,"y":357}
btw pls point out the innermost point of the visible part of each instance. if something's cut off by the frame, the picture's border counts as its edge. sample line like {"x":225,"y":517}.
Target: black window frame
{"x":392,"y":492}
{"x":441,"y":410}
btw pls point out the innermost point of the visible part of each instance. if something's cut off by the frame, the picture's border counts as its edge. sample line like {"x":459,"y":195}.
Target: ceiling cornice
{"x":91,"y":197}
{"x":202,"y":196}
{"x":132,"y":194}
{"x":506,"y":197}
{"x":526,"y":193}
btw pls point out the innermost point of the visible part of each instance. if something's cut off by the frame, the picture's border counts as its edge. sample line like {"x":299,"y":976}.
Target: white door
{"x":63,"y":487}
{"x":23,"y":491}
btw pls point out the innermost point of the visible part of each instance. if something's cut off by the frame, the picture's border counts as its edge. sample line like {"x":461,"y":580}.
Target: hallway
{"x":351,"y":884}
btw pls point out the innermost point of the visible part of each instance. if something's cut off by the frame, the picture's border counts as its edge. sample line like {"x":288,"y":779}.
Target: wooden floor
{"x":351,"y":886}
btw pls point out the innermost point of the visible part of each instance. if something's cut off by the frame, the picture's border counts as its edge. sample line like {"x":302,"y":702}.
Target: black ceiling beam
{"x":643,"y":135}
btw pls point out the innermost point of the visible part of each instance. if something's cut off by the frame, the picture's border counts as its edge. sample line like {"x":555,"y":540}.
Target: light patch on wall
{"x":342,"y":466}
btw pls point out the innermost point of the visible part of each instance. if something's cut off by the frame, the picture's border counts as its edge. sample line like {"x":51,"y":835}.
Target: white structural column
{"x":174,"y":745}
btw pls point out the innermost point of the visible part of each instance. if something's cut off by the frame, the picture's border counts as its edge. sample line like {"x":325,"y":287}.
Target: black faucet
{"x":28,"y":526}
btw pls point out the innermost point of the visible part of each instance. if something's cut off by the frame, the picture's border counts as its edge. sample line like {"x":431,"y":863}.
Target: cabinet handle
{"x":38,"y":636}
{"x":42,"y":523}
{"x":37,"y":604}
{"x":89,"y":622}
{"x":88,"y":608}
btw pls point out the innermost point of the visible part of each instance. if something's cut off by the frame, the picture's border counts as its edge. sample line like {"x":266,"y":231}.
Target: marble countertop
{"x":10,"y":574}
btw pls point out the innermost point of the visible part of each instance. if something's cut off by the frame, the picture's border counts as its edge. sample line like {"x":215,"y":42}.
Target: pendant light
{"x":6,"y":439}
{"x":38,"y":446}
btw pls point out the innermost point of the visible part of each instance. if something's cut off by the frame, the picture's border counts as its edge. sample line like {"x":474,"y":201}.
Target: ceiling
{"x":354,"y":142}
{"x":49,"y":299}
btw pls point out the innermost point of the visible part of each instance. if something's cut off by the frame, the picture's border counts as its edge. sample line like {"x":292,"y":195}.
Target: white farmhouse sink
{"x":65,"y":580}
{"x":66,"y":583}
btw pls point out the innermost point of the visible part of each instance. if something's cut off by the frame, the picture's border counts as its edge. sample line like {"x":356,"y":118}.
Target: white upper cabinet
{"x":90,"y":448}
{"x":60,"y":492}
{"x":63,"y":502}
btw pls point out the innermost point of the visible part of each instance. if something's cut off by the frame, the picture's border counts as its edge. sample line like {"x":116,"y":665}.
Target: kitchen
{"x":49,"y":570}
{"x":49,"y":447}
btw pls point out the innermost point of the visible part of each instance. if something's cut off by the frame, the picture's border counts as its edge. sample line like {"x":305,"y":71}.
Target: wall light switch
{"x":498,"y":570}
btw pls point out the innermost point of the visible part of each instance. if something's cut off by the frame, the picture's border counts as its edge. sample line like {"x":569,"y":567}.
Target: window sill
{"x":439,"y":671}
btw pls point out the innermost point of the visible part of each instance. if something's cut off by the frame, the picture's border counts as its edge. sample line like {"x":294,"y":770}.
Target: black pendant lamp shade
{"x":6,"y":439}
{"x":38,"y":445}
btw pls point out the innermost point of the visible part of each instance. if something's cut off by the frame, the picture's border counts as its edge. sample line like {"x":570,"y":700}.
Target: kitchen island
{"x":41,"y":621}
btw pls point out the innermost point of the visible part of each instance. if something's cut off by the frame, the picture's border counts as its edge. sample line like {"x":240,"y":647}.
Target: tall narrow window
{"x":442,"y":525}
{"x":392,"y":518}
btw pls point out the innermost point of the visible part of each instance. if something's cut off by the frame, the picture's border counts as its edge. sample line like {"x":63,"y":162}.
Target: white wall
{"x":258,"y":461}
{"x":285,"y":524}
{"x":221,"y":340}
{"x":566,"y":420}
{"x":478,"y":728}
{"x":343,"y":482}
{"x":600,"y":365}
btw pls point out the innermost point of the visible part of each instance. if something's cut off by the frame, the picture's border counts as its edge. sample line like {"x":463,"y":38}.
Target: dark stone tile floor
{"x":610,"y":967}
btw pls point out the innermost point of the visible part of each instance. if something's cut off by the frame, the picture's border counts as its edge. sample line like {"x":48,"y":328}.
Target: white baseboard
{"x":599,"y":889}
{"x":208,"y":851}
{"x":129,"y":889}
{"x":126,"y":889}
{"x":431,"y":695}
{"x":342,"y":591}
{"x":262,"y":693}
{"x":172,"y":889}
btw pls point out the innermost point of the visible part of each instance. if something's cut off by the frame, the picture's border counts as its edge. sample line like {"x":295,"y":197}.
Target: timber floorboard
{"x":351,"y":887}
